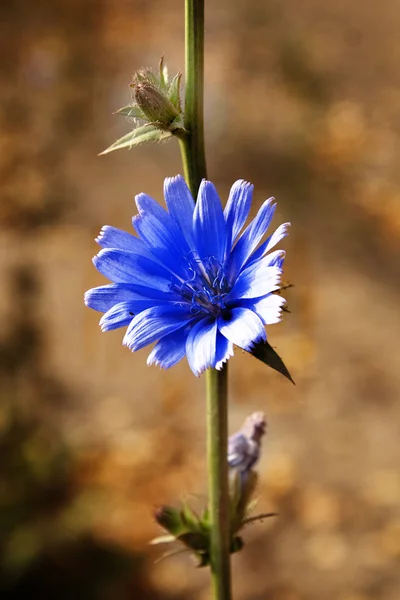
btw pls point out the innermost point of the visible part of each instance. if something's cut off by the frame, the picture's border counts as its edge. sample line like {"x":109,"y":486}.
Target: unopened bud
{"x":169,"y":518}
{"x":154,"y":104}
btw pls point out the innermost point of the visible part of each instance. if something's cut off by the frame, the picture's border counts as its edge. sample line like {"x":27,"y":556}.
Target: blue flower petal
{"x":278,"y":261}
{"x":162,"y":228}
{"x":169,"y":350}
{"x":244,"y":328}
{"x":268,"y":260}
{"x":250,"y":238}
{"x":269,"y":308}
{"x":269,"y":243}
{"x":255,"y":281}
{"x":274,"y":259}
{"x":165,"y":239}
{"x":118,"y":316}
{"x":180,"y":204}
{"x":125,"y":267}
{"x":121,"y":314}
{"x":237,"y":210}
{"x":223,"y":352}
{"x":104,"y":297}
{"x":154,"y":323}
{"x":201,"y":345}
{"x":209,"y":223}
{"x":111,"y":237}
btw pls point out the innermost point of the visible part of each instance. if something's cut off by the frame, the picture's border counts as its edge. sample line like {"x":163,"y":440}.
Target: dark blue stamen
{"x":206,"y":287}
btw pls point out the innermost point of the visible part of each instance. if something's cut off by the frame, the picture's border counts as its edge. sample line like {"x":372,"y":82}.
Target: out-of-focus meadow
{"x":302,"y":99}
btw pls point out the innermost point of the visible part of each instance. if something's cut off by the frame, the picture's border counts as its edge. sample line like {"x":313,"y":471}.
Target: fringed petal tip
{"x":275,"y":259}
{"x":271,"y":205}
{"x":137,"y":199}
{"x":128,"y":344}
{"x":219,"y":365}
{"x":102,"y":234}
{"x":278,"y":235}
{"x":176,"y":179}
{"x":274,"y":318}
{"x":153,"y":362}
{"x":198,"y":373}
{"x":86,"y":298}
{"x":103,"y":326}
{"x":242,"y":186}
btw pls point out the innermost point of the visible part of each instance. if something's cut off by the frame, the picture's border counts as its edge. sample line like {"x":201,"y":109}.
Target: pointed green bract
{"x":265,"y":352}
{"x":189,"y":517}
{"x":131,"y":111}
{"x":174,"y":91}
{"x":146,"y":133}
{"x":163,"y":73}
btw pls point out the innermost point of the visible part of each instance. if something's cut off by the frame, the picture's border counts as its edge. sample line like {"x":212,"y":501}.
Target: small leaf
{"x":235,"y":489}
{"x":140,"y":135}
{"x":205,"y":517}
{"x":174,"y":91}
{"x":131,"y":111}
{"x":189,"y":518}
{"x":241,"y":493}
{"x":163,"y":73}
{"x":265,"y":352}
{"x":145,"y":75}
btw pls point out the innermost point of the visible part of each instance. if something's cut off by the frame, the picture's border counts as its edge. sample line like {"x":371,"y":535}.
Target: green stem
{"x":192,"y":143}
{"x":194,"y":165}
{"x":217,"y":442}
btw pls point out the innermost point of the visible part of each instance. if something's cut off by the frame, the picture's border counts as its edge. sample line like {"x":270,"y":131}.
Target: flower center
{"x":207,"y":286}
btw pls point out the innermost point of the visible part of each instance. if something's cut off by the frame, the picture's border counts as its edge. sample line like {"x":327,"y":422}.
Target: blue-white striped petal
{"x":237,"y":210}
{"x":250,"y":238}
{"x":201,"y":345}
{"x":153,"y":324}
{"x":243,"y":328}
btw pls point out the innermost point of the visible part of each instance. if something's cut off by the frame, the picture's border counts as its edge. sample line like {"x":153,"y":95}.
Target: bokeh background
{"x":302,"y":99}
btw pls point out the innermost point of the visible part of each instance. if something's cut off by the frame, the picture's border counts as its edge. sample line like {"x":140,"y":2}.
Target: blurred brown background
{"x":302,"y":99}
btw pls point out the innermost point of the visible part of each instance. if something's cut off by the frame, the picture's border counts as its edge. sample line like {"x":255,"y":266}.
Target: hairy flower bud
{"x":154,"y":104}
{"x":169,"y":518}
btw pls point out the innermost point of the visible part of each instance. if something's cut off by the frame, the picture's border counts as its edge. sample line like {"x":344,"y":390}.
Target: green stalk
{"x":217,"y":442}
{"x":192,"y":143}
{"x":194,"y":165}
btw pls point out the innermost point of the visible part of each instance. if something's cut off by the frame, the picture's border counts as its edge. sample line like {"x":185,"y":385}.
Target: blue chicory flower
{"x":190,"y":281}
